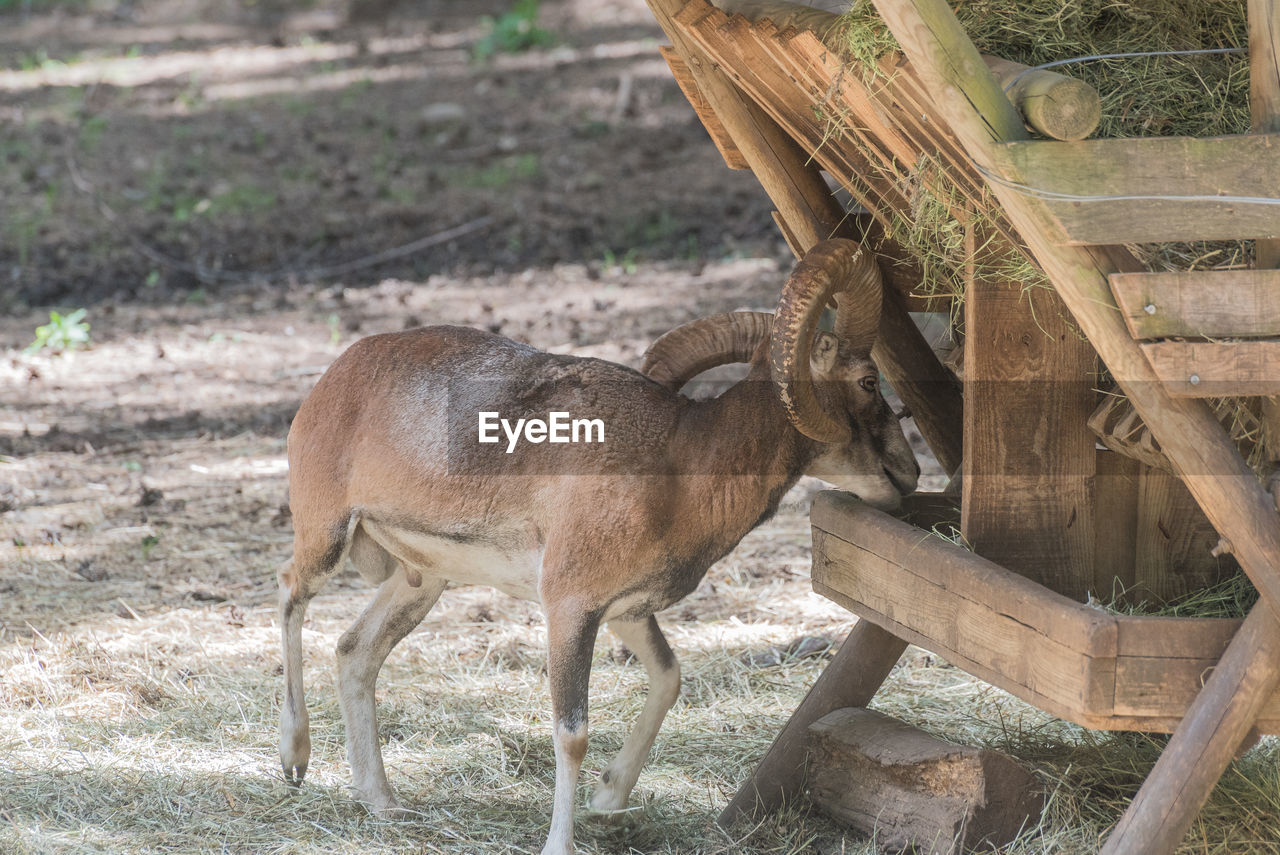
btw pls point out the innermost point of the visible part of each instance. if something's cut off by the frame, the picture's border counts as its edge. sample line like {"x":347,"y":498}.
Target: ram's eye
{"x":870,"y":383}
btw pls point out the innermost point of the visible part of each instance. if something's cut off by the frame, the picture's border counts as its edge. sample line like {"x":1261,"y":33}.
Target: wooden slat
{"x":1029,"y":456}
{"x":1150,"y":190}
{"x":1097,"y":669}
{"x":994,"y":623}
{"x":715,"y":128}
{"x":1208,"y":304}
{"x":1197,"y":369}
{"x":1264,"y":91}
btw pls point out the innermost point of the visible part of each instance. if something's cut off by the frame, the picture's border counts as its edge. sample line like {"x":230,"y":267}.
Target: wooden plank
{"x":1264,"y":109}
{"x":1115,"y":525}
{"x":1029,"y":457}
{"x":1187,"y":430}
{"x":1094,"y":668}
{"x":851,"y":679}
{"x":1210,"y":369}
{"x":1247,"y":674}
{"x":684,"y":78}
{"x":1113,"y":191}
{"x":1264,"y":91}
{"x":983,"y":640}
{"x":946,"y":565}
{"x":1241,"y":685}
{"x":1202,"y":303}
{"x":1173,"y":541}
{"x":1195,"y":443}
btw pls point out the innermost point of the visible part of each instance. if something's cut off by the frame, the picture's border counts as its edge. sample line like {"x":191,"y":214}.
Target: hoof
{"x":389,"y":808}
{"x":293,"y":775}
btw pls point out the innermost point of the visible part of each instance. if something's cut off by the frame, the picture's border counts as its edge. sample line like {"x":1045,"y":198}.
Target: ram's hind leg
{"x":318,"y":553}
{"x":644,"y":639}
{"x":398,"y":607}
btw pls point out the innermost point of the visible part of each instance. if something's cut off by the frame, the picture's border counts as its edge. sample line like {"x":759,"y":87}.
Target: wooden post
{"x":851,"y":679}
{"x":1264,"y":109}
{"x":812,"y":214}
{"x":1264,"y":91}
{"x":1194,"y":442}
{"x":1029,"y":456}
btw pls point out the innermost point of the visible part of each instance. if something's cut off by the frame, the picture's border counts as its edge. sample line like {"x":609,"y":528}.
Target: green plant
{"x":627,"y":263}
{"x":63,"y":332}
{"x":149,"y":543}
{"x":514,"y":31}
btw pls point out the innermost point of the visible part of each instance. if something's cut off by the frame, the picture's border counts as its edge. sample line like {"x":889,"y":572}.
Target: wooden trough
{"x":1049,"y":516}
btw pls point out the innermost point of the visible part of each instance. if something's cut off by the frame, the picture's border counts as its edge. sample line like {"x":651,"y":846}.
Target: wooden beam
{"x":1201,"y":303}
{"x":1264,"y":90}
{"x":715,"y":128}
{"x":1029,"y":456}
{"x":812,"y":214}
{"x":1216,"y":369}
{"x":851,"y":679}
{"x":1053,"y":104}
{"x":1098,"y":669}
{"x":1208,"y":738}
{"x":1195,"y":443}
{"x":1112,"y":191}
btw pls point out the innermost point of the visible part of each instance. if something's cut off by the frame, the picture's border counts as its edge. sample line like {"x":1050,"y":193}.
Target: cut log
{"x":907,"y":788}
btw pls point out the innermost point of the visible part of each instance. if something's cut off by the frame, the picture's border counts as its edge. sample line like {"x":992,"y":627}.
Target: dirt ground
{"x":236,"y":191}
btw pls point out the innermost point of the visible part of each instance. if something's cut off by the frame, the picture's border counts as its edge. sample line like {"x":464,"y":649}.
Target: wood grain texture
{"x":1264,"y":91}
{"x":1219,"y":720}
{"x":1202,"y":303}
{"x":715,"y":128}
{"x":1029,"y":457}
{"x":850,"y":679}
{"x":1196,"y":445}
{"x":811,"y":214}
{"x":1221,"y":369}
{"x":1112,"y":191}
{"x":1053,"y":104}
{"x":1173,"y":541}
{"x":912,"y":790}
{"x":1098,"y":669}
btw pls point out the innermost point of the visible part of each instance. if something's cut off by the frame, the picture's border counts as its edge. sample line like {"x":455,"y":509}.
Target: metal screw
{"x":1194,"y":379}
{"x":1150,"y":308}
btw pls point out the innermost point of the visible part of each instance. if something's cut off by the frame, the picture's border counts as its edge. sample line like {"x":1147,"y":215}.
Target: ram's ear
{"x":822,"y":359}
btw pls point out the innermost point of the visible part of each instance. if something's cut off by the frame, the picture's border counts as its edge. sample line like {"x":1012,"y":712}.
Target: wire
{"x":1076,"y":59}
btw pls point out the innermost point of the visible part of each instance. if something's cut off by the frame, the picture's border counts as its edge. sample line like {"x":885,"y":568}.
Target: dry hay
{"x":158,"y":733}
{"x":1205,"y":95}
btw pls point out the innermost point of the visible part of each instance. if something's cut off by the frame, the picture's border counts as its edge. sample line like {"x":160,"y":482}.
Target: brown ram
{"x":386,"y":469}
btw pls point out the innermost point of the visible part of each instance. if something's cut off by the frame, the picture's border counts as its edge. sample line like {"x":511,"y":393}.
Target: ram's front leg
{"x":644,"y":639}
{"x":571,"y":633}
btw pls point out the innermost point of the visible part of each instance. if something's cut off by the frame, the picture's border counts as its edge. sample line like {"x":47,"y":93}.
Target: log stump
{"x":909,"y":789}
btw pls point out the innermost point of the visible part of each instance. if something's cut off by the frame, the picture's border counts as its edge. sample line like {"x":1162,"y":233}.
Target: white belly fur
{"x":512,"y":571}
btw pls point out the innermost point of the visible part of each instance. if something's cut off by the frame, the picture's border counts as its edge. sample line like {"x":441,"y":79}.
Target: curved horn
{"x":830,"y":267}
{"x":686,"y":351}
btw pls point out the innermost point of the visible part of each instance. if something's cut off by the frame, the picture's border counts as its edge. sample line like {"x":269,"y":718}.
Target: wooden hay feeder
{"x":1049,"y":515}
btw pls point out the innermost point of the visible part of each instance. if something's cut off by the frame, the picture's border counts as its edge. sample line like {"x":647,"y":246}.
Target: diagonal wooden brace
{"x":810,"y":214}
